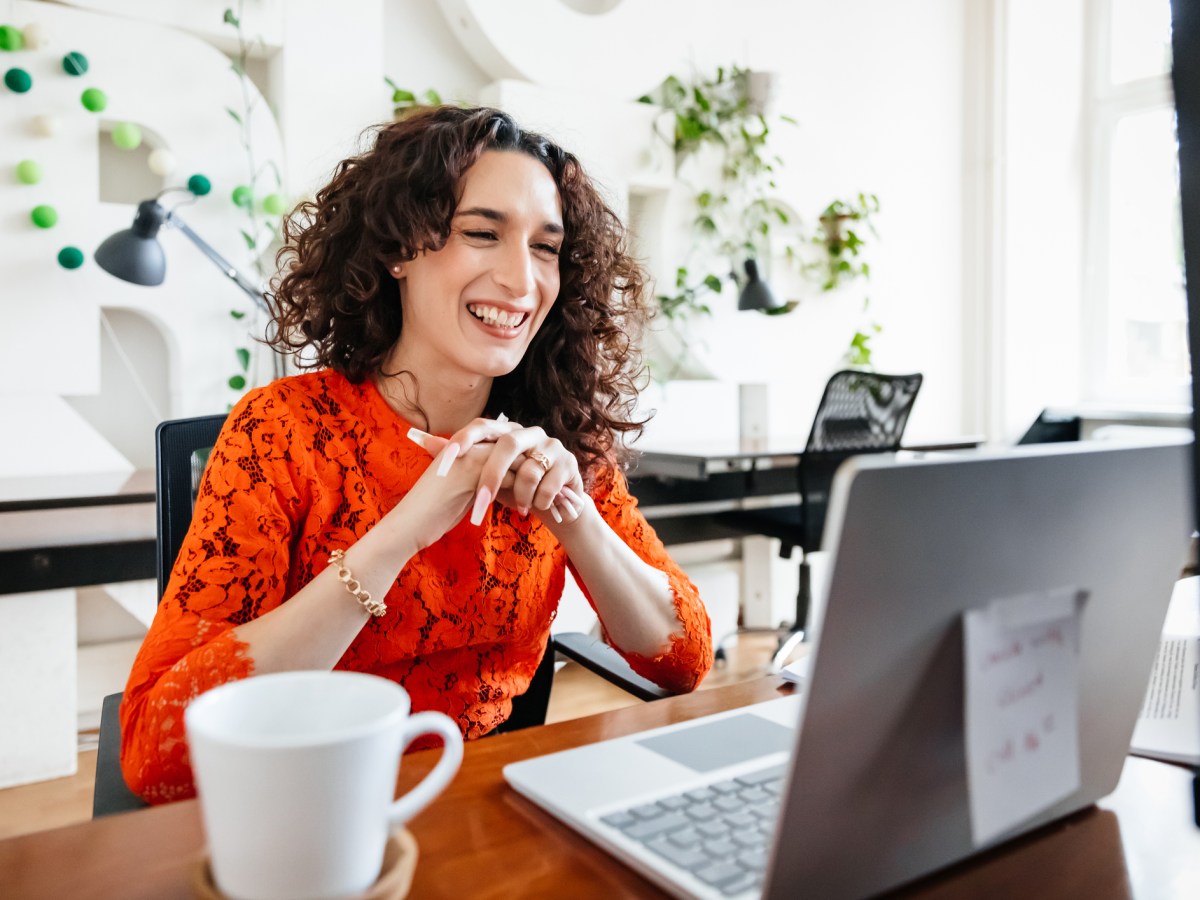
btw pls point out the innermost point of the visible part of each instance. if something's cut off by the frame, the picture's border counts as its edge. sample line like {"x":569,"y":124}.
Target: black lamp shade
{"x":135,"y":254}
{"x":756,"y":294}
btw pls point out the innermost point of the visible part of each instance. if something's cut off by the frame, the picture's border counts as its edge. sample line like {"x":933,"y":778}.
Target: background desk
{"x":76,"y":530}
{"x":482,"y":839}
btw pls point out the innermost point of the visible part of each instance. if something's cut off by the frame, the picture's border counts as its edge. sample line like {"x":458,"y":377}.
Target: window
{"x":1135,"y":309}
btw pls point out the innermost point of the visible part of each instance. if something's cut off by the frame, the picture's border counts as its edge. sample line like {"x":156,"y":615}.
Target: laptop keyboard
{"x":720,"y":833}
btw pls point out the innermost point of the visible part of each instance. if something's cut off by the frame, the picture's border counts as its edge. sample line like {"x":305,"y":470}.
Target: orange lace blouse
{"x":306,"y":465}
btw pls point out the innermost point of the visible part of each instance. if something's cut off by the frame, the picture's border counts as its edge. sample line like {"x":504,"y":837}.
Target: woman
{"x":410,"y":506}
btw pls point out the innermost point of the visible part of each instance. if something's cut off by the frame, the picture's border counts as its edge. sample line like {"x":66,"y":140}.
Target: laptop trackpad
{"x":724,"y":742}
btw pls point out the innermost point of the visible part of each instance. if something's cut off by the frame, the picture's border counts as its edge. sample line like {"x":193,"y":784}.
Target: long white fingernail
{"x":554,"y":513}
{"x":483,"y":499}
{"x":417,"y":436}
{"x":448,"y":456}
{"x":502,"y":418}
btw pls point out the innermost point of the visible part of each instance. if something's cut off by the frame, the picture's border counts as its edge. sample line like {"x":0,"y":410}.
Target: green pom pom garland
{"x":18,"y":80}
{"x":70,"y":257}
{"x":75,"y":63}
{"x":199,"y":185}
{"x":44,"y":216}
{"x":94,"y":100}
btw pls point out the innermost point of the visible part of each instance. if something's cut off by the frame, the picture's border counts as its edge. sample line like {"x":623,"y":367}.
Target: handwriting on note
{"x":1021,"y":707}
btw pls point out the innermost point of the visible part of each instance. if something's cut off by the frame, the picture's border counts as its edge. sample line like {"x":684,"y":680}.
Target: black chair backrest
{"x":860,"y":412}
{"x":181,"y":450}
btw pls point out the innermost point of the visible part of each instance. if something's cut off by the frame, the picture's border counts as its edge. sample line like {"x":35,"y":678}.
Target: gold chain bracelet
{"x":374,"y":607}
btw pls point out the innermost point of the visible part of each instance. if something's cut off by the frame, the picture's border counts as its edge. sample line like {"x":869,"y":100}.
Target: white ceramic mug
{"x":296,"y":772}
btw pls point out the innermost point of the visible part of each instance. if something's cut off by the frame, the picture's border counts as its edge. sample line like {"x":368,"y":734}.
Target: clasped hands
{"x":496,"y":459}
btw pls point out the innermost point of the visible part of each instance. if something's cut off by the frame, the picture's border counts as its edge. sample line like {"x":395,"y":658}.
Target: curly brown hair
{"x":335,"y":305}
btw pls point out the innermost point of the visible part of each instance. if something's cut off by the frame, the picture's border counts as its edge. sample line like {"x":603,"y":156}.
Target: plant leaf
{"x":230,"y":19}
{"x":234,"y":115}
{"x":243,"y":356}
{"x":237,"y":314}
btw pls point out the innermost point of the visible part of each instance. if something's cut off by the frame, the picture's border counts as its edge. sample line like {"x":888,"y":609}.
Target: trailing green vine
{"x":259,"y":198}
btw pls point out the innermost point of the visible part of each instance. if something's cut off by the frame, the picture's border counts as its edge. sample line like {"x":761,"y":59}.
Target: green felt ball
{"x":44,"y":216}
{"x":199,"y":185}
{"x":242,"y":196}
{"x":75,"y":63}
{"x":18,"y":80}
{"x":126,"y":135}
{"x":274,"y":205}
{"x":29,"y":172}
{"x":11,"y":38}
{"x":70,"y":257}
{"x":94,"y":100}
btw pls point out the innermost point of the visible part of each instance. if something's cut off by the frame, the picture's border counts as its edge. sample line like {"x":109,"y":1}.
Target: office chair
{"x":181,"y":453}
{"x":859,"y":412}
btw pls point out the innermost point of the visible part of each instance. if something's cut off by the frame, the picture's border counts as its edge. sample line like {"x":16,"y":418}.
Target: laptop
{"x":859,"y":783}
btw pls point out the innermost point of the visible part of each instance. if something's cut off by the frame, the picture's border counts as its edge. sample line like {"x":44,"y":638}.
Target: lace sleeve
{"x":690,"y":655}
{"x":232,"y":567}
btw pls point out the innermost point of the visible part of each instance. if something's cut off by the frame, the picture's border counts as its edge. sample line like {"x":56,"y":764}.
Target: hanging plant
{"x":736,"y":215}
{"x":840,"y":243}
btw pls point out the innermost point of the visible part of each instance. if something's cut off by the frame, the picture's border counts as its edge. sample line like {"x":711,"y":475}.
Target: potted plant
{"x":840,"y":244}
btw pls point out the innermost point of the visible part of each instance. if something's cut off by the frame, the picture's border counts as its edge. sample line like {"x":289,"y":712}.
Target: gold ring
{"x":540,"y":458}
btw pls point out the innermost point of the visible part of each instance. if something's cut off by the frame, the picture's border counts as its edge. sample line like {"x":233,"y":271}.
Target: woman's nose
{"x":514,"y":271}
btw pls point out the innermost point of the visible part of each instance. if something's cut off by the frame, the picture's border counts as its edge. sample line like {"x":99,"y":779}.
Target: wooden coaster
{"x":395,"y":878}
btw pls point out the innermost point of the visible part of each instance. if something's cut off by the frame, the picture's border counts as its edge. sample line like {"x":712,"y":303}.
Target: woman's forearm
{"x":313,"y":629}
{"x":632,"y":597}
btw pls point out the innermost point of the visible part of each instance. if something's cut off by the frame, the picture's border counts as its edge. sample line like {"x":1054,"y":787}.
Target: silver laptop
{"x":860,"y":783}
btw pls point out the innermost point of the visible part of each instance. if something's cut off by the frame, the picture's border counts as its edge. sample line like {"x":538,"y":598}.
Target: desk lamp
{"x":757,"y":294}
{"x":135,"y":255}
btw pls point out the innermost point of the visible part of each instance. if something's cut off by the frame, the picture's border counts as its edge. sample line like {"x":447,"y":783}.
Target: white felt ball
{"x":35,"y":36}
{"x":161,"y":161}
{"x":46,"y":125}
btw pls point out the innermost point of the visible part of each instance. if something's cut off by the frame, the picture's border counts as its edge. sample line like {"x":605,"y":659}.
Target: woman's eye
{"x":546,"y":249}
{"x":481,"y":235}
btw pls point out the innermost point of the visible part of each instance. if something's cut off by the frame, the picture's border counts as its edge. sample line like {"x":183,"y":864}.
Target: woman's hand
{"x":443,"y":495}
{"x":525,"y":469}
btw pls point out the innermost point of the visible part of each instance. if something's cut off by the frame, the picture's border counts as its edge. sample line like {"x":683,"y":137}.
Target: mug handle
{"x":447,"y":765}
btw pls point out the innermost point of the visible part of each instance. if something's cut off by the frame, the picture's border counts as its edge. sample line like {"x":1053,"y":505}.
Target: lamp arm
{"x":223,"y":264}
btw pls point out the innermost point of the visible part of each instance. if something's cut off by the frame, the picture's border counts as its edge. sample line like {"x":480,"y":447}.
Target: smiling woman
{"x":410,"y":507}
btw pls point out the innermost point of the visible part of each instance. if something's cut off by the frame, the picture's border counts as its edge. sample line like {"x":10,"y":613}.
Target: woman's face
{"x":476,"y":304}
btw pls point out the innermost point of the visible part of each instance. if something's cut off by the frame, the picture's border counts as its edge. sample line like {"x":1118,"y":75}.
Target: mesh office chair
{"x":859,"y":412}
{"x":181,"y":452}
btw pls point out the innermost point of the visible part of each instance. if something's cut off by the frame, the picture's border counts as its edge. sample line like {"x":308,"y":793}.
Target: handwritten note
{"x":1021,"y":713}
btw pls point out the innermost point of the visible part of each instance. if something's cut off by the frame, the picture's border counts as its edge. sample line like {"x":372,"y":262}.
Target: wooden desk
{"x":482,"y":839}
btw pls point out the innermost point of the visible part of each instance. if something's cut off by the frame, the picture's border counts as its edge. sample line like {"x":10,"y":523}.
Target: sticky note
{"x":1021,"y":707}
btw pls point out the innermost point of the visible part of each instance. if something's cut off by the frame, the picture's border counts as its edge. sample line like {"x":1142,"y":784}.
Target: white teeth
{"x":491,"y":315}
